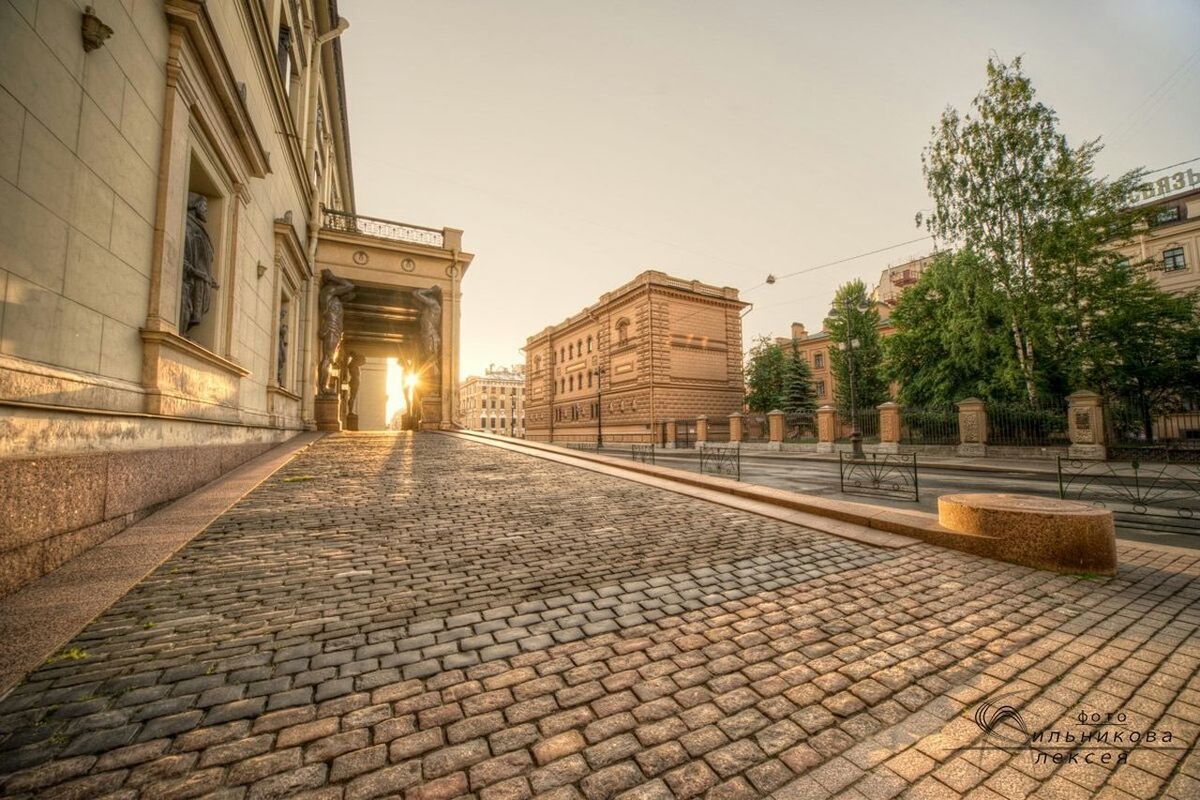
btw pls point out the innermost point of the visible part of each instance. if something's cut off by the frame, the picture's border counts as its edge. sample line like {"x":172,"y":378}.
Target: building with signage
{"x":183,"y":271}
{"x":494,"y":402}
{"x":658,"y":348}
{"x":1170,"y":245}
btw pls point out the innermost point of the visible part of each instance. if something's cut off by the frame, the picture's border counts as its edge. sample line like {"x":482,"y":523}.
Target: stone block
{"x":99,"y":280}
{"x":33,"y":241}
{"x":1059,"y":535}
{"x":120,"y":351}
{"x":144,"y":478}
{"x":43,"y":326}
{"x":104,"y":83}
{"x":12,"y":121}
{"x":37,"y":78}
{"x":48,"y":496}
{"x":47,"y":168}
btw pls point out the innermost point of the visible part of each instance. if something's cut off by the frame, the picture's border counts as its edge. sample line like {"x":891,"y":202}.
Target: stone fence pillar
{"x":736,"y":431}
{"x":972,"y":427}
{"x":826,"y":428}
{"x":1085,"y":420}
{"x":701,"y":430}
{"x":889,"y":428}
{"x":669,"y":427}
{"x":775,"y":420}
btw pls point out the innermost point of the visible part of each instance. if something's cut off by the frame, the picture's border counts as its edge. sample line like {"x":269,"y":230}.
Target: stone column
{"x":701,"y":430}
{"x":736,"y":431}
{"x":1085,"y":420}
{"x":889,"y":428}
{"x":775,"y":423}
{"x":826,"y":428}
{"x":669,"y":426}
{"x":972,"y":427}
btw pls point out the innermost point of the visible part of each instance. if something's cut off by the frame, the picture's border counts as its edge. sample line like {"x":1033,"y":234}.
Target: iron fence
{"x":1028,"y":425}
{"x":929,"y":426}
{"x":721,"y":459}
{"x":1142,"y":495}
{"x":800,"y":426}
{"x":1139,"y":431}
{"x":685,"y":433}
{"x":891,"y":475}
{"x":643,"y":453}
{"x":868,"y":425}
{"x":718,"y":431}
{"x":754,"y":428}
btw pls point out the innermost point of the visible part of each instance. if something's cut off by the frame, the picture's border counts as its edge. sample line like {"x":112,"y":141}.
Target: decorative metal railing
{"x":721,"y":459}
{"x":929,"y":426}
{"x":1138,"y":431}
{"x":1023,"y":425}
{"x":382,"y":228}
{"x":800,"y":426}
{"x":643,"y":453}
{"x":1142,"y":495}
{"x":754,"y":428}
{"x":880,"y":475}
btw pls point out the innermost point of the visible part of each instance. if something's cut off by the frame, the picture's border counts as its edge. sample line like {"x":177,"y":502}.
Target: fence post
{"x":669,"y":427}
{"x":1085,"y":421}
{"x":889,"y":428}
{"x":826,"y":428}
{"x":701,"y":430}
{"x":972,"y":427}
{"x":775,"y":430}
{"x":735,"y":427}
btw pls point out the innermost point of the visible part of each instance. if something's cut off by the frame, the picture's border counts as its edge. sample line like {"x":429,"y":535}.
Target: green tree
{"x":799,"y":393}
{"x":857,"y":356}
{"x":1006,"y":185}
{"x":1142,"y":346}
{"x":952,"y":339}
{"x":766,"y":376}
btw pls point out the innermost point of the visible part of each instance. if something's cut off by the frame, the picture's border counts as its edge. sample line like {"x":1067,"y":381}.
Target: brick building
{"x":495,"y":401}
{"x":656,"y":349}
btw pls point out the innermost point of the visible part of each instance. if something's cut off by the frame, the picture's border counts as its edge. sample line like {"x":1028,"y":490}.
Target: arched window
{"x":537,"y":363}
{"x":571,"y":351}
{"x":589,"y":380}
{"x":579,"y":347}
{"x":562,"y":354}
{"x":571,"y":384}
{"x":589,"y":344}
{"x":562,"y":384}
{"x":622,"y":331}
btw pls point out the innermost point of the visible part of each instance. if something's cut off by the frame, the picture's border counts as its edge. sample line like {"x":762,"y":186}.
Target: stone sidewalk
{"x":432,"y":618}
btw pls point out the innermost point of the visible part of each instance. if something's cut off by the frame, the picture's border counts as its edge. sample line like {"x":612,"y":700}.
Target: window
{"x":589,"y":344}
{"x":571,"y":383}
{"x":562,"y":384}
{"x":1163,"y":216}
{"x":571,"y":351}
{"x":820,"y":388}
{"x":589,"y":380}
{"x":283,"y":56}
{"x":579,"y":347}
{"x":1173,"y":260}
{"x":562,"y":354}
{"x":622,"y":332}
{"x":818,"y":361}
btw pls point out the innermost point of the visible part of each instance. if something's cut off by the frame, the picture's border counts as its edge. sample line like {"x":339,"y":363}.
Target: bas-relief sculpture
{"x":430,"y":322}
{"x":198,"y":279}
{"x":332,"y":324}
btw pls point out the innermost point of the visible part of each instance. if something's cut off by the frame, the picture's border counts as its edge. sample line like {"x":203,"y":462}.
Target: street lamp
{"x":856,"y":448}
{"x":600,"y":372}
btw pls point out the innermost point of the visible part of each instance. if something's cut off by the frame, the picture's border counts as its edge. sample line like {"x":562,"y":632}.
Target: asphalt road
{"x":821,"y":478}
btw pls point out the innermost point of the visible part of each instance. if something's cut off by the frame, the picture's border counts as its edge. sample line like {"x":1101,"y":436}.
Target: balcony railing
{"x":382,"y":229}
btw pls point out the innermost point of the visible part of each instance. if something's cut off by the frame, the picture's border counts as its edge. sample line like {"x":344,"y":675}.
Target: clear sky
{"x":579,"y":142}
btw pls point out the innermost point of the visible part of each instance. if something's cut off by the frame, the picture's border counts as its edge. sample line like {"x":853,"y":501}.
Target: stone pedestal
{"x":701,"y":430}
{"x":352,"y":422}
{"x":1085,"y":420}
{"x":669,"y":434}
{"x":736,"y":429}
{"x":889,"y":428}
{"x":972,"y":428}
{"x":328,"y":414}
{"x":431,"y":413}
{"x":775,"y":425}
{"x":826,"y":428}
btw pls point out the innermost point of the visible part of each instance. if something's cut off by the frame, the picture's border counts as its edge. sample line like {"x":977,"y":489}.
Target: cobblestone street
{"x":427,"y":617}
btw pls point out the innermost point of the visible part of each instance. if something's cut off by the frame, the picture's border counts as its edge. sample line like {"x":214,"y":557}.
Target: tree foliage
{"x":855,"y":319}
{"x":799,"y":393}
{"x":952,"y":338}
{"x":1007,"y":187}
{"x":766,"y":376}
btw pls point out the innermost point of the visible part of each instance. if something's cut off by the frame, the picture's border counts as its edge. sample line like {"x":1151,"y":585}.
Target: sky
{"x":580,"y":142}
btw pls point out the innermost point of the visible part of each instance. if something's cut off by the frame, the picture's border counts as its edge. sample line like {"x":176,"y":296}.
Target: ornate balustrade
{"x":382,"y":228}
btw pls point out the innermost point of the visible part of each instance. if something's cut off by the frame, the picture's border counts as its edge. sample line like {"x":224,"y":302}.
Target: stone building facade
{"x":169,"y":196}
{"x":1170,"y":246}
{"x":656,"y":349}
{"x":494,"y":402}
